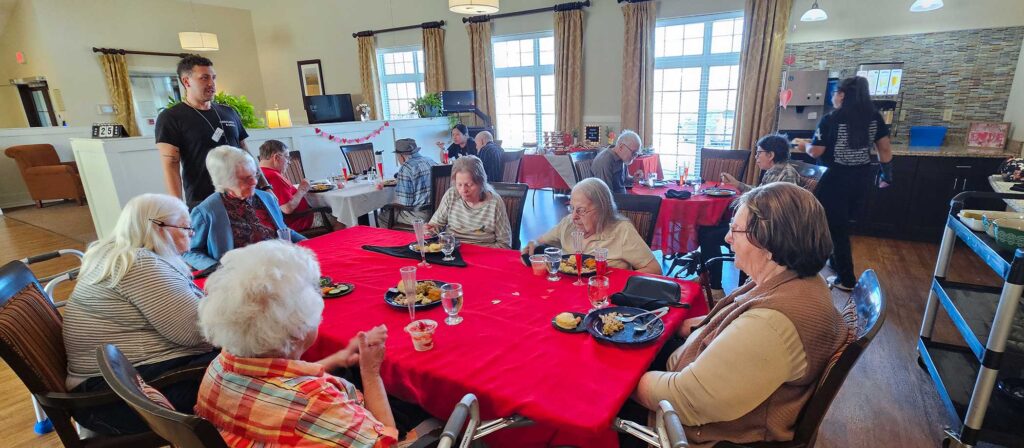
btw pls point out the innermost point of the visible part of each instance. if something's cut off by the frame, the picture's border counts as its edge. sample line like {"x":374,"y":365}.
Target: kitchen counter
{"x":948,"y":151}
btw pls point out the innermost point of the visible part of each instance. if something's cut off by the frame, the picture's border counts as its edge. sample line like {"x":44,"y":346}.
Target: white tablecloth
{"x":355,"y":200}
{"x":999,"y":186}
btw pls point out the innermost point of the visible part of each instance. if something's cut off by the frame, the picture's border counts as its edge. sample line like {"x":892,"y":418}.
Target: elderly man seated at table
{"x":258,"y":392}
{"x":471,"y":209}
{"x":491,"y":155}
{"x":610,"y":164}
{"x":412,"y":192}
{"x":135,"y":291}
{"x":274,"y":160}
{"x":592,"y":210}
{"x":749,"y":366}
{"x":237,"y":214}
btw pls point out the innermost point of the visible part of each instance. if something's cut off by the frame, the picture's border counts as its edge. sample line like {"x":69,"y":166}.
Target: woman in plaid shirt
{"x":258,"y":392}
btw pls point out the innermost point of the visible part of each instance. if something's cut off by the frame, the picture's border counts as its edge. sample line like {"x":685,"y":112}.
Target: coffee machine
{"x":809,"y":101}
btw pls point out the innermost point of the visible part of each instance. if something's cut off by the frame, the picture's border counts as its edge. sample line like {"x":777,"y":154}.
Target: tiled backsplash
{"x":968,"y":71}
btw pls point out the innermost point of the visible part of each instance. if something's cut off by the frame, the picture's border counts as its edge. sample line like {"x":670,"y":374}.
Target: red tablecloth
{"x":505,"y":351}
{"x":648,"y":164}
{"x":538,"y":172}
{"x":678,"y":219}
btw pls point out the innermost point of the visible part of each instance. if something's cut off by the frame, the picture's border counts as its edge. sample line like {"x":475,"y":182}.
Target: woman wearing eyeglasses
{"x":592,"y":210}
{"x":135,"y":291}
{"x":771,"y":156}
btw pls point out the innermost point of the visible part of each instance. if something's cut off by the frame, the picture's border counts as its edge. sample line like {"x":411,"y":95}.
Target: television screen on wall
{"x":329,"y":108}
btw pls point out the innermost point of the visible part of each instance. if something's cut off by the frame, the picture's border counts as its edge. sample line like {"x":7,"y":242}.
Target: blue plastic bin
{"x":927,"y":135}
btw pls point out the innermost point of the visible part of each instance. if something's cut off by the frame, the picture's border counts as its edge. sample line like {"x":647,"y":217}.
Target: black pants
{"x":842,"y":191}
{"x":711,"y":240}
{"x":119,"y":419}
{"x":632,"y":410}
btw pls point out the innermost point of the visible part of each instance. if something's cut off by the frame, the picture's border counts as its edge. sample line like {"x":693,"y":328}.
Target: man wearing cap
{"x":412,"y":194}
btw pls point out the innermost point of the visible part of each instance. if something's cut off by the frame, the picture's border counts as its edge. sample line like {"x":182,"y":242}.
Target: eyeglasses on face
{"x":581,"y":211}
{"x":191,"y":231}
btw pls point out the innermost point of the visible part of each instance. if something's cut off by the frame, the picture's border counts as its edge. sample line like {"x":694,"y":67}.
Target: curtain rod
{"x":424,"y":25}
{"x":148,"y":53}
{"x":559,"y":7}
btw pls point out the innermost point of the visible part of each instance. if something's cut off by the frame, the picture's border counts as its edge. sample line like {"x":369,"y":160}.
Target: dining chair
{"x":512,"y":161}
{"x":642,"y":210}
{"x":810,"y":174}
{"x":581,"y":164}
{"x":440,"y":181}
{"x":867,"y":309}
{"x":358,"y":157}
{"x":181,"y":430}
{"x":32,"y":344}
{"x":321,"y":215}
{"x":514,"y":196}
{"x":714,"y":162}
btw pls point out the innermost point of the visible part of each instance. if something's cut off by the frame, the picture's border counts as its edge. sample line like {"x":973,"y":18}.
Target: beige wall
{"x":63,"y":33}
{"x":22,"y":26}
{"x":323,"y":29}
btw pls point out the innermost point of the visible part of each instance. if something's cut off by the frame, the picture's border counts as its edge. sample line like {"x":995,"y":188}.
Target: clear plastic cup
{"x":422,"y":332}
{"x":539,"y":264}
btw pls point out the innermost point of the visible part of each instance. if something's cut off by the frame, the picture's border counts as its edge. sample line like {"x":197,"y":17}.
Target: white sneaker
{"x":833,"y":282}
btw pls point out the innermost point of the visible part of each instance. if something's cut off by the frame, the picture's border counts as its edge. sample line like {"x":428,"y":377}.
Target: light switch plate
{"x":947,"y":115}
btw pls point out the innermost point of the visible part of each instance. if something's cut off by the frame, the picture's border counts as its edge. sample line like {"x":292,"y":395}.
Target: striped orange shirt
{"x":269,"y":402}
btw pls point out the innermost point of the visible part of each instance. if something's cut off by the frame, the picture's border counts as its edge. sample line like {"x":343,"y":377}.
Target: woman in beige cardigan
{"x":750,"y":365}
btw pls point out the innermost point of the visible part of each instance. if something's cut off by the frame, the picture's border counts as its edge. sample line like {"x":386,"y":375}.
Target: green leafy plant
{"x":239,"y":103}
{"x":428,"y":105}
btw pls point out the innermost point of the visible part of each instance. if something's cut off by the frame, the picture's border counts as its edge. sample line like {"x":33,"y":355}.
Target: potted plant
{"x":427,"y":106}
{"x":246,"y":111}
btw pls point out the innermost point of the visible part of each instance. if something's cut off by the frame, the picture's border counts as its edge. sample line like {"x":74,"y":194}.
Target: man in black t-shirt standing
{"x":187,"y":131}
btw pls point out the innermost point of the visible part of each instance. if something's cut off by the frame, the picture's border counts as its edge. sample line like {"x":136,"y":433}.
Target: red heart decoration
{"x":789,"y":59}
{"x":317,"y":130}
{"x":385,"y":123}
{"x":784,"y":97}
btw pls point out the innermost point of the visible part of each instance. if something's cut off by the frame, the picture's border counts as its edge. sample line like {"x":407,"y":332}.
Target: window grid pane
{"x":695,"y":101}
{"x":524,"y":89}
{"x":402,"y":81}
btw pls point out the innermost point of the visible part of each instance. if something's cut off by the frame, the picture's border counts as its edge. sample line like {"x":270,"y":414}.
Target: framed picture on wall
{"x":311,"y":78}
{"x":987,"y":135}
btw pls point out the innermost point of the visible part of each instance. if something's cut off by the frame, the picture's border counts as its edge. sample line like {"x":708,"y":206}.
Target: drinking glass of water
{"x":447,"y":245}
{"x":554,"y":255}
{"x":451,"y":300}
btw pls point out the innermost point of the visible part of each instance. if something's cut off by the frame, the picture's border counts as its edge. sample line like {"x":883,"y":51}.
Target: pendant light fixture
{"x":473,"y":7}
{"x":925,"y":5}
{"x":196,"y":40}
{"x":815,"y":14}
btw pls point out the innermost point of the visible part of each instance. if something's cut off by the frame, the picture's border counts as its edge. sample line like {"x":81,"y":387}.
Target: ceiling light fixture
{"x":196,"y":40}
{"x":473,"y":7}
{"x":815,"y":14}
{"x":925,"y":5}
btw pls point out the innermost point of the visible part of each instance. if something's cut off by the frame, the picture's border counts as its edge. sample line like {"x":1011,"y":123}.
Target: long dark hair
{"x":857,"y":110}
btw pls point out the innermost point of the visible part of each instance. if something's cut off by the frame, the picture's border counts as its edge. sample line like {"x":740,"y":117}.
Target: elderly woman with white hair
{"x":471,"y":209}
{"x":258,"y":392}
{"x":237,"y":214}
{"x":136,"y":292}
{"x":592,"y":210}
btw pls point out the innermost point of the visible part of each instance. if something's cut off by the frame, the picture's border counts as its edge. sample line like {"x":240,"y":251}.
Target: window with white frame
{"x":524,"y":87}
{"x":696,"y":79}
{"x":401,"y":80}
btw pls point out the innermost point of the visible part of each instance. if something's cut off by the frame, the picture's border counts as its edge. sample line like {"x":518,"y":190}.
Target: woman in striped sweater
{"x":136,"y":292}
{"x":471,"y":209}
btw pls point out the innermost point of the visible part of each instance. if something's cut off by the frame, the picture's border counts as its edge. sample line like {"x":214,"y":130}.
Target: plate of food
{"x":719,"y":192}
{"x":334,"y":290}
{"x":568,"y":265}
{"x":428,"y":294}
{"x":568,"y":322}
{"x":325,"y":281}
{"x":320,"y":188}
{"x":433,"y":245}
{"x":390,"y":182}
{"x":605,"y":326}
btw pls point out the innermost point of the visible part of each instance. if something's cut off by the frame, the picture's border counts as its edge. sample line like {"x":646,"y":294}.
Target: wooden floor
{"x":887,"y":401}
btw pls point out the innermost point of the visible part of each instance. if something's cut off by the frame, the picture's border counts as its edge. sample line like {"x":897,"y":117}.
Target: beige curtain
{"x":569,"y":70}
{"x":481,"y":69}
{"x":764,"y":47}
{"x":433,"y":55}
{"x":638,"y":69}
{"x":120,"y":88}
{"x":368,"y":75}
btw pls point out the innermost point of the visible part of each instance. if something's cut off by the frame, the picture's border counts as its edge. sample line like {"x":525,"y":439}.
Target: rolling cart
{"x":983,"y":316}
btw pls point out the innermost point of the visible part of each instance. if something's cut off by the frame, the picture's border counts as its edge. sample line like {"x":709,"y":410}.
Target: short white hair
{"x":629,"y":135}
{"x":263,"y":301}
{"x":486,"y":136}
{"x":223,"y":161}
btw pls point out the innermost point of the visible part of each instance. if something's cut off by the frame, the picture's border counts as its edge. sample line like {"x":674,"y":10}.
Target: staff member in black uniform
{"x":187,"y":131}
{"x":461,"y":145}
{"x":843,"y":142}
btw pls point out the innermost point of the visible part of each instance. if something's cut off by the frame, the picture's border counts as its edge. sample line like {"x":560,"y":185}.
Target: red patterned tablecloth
{"x":678,"y":219}
{"x":505,"y":352}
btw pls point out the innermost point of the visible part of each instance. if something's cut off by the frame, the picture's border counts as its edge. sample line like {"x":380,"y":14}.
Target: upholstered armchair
{"x":45,"y":175}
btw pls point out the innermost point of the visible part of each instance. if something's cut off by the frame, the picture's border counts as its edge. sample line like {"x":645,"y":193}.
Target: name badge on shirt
{"x":217,"y":134}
